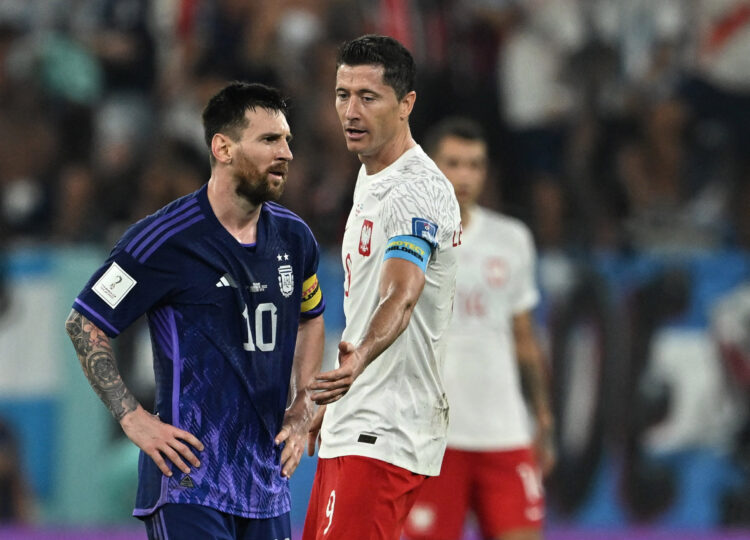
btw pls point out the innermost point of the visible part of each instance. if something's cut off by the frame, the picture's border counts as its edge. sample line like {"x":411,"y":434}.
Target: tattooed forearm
{"x":94,"y":351}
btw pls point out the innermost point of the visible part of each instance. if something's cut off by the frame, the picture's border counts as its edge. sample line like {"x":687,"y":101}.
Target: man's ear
{"x":221,"y":148}
{"x":406,"y":105}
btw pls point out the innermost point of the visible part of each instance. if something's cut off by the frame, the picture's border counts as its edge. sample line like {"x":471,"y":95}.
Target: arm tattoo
{"x":94,"y":351}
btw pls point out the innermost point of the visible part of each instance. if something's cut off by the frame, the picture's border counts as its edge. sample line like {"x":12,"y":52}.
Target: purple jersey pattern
{"x":207,"y":297}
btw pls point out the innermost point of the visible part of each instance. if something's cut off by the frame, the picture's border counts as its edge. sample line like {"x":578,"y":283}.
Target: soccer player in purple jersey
{"x":228,"y":281}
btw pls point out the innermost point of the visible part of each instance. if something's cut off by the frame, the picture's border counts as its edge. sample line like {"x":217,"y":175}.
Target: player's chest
{"x":485,"y":281}
{"x":364,"y":233}
{"x":243,"y":276}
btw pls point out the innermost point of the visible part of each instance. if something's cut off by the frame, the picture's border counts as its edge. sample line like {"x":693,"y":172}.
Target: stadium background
{"x":618,"y":132}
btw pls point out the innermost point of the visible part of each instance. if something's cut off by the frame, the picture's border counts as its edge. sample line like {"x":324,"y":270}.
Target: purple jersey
{"x":223,"y":319}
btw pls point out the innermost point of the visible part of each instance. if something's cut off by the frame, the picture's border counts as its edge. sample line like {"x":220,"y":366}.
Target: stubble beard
{"x":255,"y":187}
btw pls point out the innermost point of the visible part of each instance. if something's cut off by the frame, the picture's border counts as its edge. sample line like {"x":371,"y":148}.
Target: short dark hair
{"x":400,"y":71}
{"x":225,"y":112}
{"x":453,"y":126}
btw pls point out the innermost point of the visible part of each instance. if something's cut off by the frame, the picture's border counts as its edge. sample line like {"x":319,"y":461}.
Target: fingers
{"x":282,"y":436}
{"x":175,"y":458}
{"x":318,"y":419}
{"x":330,"y":387}
{"x":163,"y":467}
{"x":334,"y":375}
{"x":185,"y":452}
{"x":174,"y":451}
{"x":324,"y":398}
{"x":189,"y":438}
{"x":342,"y":385}
{"x":292,"y":452}
{"x":290,"y":457}
{"x":162,"y":442}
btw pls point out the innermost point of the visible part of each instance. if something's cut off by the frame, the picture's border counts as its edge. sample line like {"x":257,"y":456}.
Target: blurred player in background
{"x":384,"y":430}
{"x":493,"y":463}
{"x":228,"y":280}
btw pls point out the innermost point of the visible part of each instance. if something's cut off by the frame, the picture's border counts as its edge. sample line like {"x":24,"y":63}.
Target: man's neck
{"x":236,"y":214}
{"x":389,"y":153}
{"x":467,"y":212}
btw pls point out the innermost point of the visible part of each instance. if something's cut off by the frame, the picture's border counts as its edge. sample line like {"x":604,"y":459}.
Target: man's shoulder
{"x":149,"y":234}
{"x":503,"y":222}
{"x":505,"y":229}
{"x":285,"y":219}
{"x":420,"y":181}
{"x":421,"y":169}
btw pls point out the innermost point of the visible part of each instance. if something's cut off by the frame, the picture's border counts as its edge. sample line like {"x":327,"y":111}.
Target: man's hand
{"x":544,"y":445}
{"x":313,"y":435}
{"x":293,"y":432}
{"x":332,"y":385}
{"x":158,"y":439}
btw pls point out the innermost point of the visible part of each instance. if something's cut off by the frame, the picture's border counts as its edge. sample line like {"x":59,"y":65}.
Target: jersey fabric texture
{"x":396,"y":410}
{"x":223,"y":318}
{"x":495,"y":281}
{"x":340,"y":508}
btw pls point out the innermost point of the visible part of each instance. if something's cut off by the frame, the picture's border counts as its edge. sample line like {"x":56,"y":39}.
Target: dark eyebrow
{"x":359,"y":92}
{"x":274,"y":135}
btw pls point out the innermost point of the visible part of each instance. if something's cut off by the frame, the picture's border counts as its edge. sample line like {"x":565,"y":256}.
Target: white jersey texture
{"x":495,"y":281}
{"x":396,"y":411}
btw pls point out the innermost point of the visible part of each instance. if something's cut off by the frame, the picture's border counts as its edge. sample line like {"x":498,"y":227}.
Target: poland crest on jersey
{"x":286,"y":280}
{"x":365,"y":237}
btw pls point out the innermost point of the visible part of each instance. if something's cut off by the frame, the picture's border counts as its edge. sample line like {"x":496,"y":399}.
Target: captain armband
{"x":411,"y":248}
{"x":311,"y":294}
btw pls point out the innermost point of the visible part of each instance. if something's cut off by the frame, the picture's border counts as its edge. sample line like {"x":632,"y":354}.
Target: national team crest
{"x":495,"y":271}
{"x":286,"y":280}
{"x":365,"y":238}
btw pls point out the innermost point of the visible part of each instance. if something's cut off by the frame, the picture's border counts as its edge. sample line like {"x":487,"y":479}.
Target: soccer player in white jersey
{"x":495,"y":451}
{"x":384,"y":430}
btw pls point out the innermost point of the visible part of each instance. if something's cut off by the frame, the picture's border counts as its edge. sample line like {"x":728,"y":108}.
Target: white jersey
{"x":396,"y":411}
{"x":495,"y":281}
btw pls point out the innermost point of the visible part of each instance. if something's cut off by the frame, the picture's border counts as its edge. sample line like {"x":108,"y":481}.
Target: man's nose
{"x":285,"y":152}
{"x":352,"y":109}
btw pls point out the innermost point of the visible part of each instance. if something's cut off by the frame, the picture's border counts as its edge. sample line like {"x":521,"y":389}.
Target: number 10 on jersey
{"x":259,"y":318}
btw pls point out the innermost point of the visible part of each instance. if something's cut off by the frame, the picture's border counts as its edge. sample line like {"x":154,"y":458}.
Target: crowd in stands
{"x":615,"y":124}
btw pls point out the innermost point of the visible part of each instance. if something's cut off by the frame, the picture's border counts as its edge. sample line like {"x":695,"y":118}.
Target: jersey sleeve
{"x":526,"y":294}
{"x":423,"y":207}
{"x":313,"y":302}
{"x":122,"y":290}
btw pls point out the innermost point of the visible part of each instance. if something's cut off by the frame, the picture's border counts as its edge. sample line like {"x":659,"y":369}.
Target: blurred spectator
{"x":15,"y":506}
{"x":621,"y":125}
{"x":76,"y":215}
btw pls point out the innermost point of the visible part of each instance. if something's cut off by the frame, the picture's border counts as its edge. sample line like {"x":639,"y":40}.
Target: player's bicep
{"x":85,"y":334}
{"x":401,"y":279}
